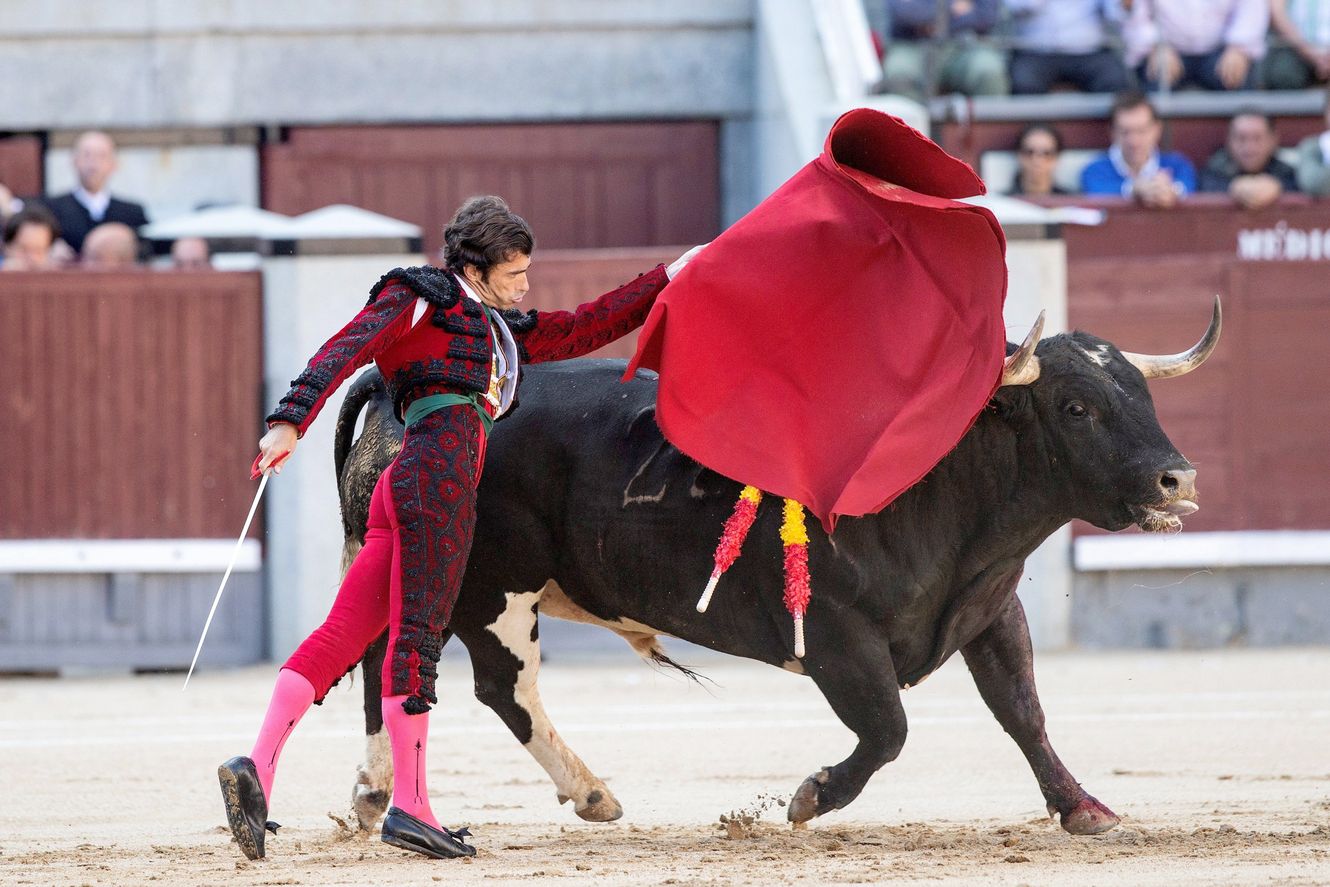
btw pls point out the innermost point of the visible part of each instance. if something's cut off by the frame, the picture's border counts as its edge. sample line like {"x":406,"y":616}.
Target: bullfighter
{"x":450,"y":343}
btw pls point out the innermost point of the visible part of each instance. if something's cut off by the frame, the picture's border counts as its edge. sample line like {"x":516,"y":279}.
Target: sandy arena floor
{"x":1218,"y":762}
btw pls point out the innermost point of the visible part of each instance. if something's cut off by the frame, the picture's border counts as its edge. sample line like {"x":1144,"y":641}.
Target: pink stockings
{"x":291,"y":698}
{"x":409,"y":737}
{"x":369,"y":600}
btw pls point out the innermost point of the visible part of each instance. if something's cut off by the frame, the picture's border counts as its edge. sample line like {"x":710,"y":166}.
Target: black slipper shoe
{"x":401,"y":829}
{"x":246,"y":808}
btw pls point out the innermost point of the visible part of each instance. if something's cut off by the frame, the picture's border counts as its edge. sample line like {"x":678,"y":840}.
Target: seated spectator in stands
{"x":91,"y":203}
{"x":1134,"y":166}
{"x":29,"y":236}
{"x":1314,"y":159}
{"x":1064,"y":41}
{"x":111,"y":246}
{"x":1246,"y":167}
{"x":958,"y":62}
{"x":1037,"y":155}
{"x":1210,"y":44}
{"x":190,"y":254}
{"x":1304,"y":59}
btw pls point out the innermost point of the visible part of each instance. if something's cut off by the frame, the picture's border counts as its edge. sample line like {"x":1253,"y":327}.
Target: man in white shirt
{"x":91,"y":203}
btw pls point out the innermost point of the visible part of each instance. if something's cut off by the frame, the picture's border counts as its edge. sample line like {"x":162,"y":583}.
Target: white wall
{"x":1037,"y":280}
{"x":305,"y":300}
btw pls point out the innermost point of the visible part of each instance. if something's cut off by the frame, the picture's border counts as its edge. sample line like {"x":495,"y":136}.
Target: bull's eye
{"x":1075,"y":409}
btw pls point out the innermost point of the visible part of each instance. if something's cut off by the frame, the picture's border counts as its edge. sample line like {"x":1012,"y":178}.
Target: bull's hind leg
{"x":850,"y":662}
{"x":374,"y":777}
{"x":505,"y":656}
{"x":1002,"y":663}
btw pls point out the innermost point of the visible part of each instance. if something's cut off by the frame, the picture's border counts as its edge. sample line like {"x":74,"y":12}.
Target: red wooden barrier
{"x":1255,"y":419}
{"x":583,"y":185}
{"x":129,"y":400}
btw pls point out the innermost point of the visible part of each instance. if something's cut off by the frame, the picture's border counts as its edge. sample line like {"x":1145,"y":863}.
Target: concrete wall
{"x":162,"y":65}
{"x":1198,"y":608}
{"x":159,"y":63}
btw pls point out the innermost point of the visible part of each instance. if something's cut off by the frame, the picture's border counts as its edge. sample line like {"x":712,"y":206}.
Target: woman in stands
{"x":1037,"y":154}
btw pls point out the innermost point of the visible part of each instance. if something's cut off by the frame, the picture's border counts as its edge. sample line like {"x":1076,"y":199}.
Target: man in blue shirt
{"x":1133,"y":166}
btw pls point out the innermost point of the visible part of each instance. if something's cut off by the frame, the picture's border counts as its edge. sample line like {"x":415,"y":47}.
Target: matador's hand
{"x":276,"y":447}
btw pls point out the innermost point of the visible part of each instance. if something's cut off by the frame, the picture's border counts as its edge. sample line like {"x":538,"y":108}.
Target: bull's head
{"x":1088,"y":410}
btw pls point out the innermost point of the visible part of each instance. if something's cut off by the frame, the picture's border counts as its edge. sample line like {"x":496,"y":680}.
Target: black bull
{"x":588,"y":514}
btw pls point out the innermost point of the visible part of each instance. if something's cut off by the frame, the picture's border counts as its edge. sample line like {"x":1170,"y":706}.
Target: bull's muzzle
{"x":1178,"y":487}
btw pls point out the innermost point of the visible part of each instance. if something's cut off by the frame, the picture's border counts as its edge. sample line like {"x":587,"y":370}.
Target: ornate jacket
{"x":450,"y":347}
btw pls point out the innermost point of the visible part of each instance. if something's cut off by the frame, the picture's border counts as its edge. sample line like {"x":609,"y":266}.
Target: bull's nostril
{"x":1168,"y":482}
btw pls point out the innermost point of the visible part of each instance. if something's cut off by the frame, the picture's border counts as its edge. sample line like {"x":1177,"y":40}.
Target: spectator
{"x":1037,"y":155}
{"x":1304,"y":26}
{"x":1064,"y":41}
{"x":9,"y":204}
{"x":959,"y":63}
{"x":111,"y":246}
{"x":1211,"y":44}
{"x":1314,"y":159}
{"x":29,"y":235}
{"x":91,"y":203}
{"x":190,"y":254}
{"x":1134,"y":166}
{"x":1246,"y":167}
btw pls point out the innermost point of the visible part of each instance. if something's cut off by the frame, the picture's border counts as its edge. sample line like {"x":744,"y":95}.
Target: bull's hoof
{"x":599,"y":806}
{"x":804,"y":804}
{"x":1089,"y":817}
{"x":374,"y":780}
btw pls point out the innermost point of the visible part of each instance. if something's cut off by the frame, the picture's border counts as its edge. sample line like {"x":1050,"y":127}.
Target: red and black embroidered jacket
{"x":450,"y":347}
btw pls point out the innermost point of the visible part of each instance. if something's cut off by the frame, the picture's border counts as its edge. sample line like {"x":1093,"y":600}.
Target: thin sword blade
{"x":235,"y":555}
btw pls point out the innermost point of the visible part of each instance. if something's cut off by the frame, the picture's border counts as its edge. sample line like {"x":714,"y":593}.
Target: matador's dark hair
{"x":485,"y":232}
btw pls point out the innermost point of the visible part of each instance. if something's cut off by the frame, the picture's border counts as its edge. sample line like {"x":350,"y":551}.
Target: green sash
{"x":423,"y":406}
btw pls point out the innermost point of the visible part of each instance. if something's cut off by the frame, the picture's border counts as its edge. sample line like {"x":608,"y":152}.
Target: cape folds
{"x":839,"y":340}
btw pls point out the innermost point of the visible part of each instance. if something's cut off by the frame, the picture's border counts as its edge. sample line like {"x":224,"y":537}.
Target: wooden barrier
{"x":1255,"y":420}
{"x":131,"y":403}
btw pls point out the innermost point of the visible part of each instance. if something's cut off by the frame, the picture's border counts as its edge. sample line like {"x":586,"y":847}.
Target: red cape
{"x":839,"y":340}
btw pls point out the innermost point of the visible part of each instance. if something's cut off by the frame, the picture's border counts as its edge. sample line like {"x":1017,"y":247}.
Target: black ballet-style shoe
{"x":401,"y":829}
{"x":246,"y":808}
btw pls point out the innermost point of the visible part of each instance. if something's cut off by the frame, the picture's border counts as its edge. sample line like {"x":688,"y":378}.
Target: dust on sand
{"x":1216,"y":763}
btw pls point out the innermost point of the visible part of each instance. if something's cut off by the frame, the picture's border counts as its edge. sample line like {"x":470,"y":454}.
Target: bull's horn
{"x":1022,"y":367}
{"x":1166,"y":366}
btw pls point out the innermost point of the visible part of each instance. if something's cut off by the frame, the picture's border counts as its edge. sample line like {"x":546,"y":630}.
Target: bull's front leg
{"x":1002,"y":663}
{"x":849,"y":660}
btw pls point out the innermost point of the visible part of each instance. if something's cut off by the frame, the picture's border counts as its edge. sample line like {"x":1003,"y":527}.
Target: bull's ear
{"x":1011,"y":401}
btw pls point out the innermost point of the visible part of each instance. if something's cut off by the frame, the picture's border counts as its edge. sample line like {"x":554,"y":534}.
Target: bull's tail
{"x":648,"y":647}
{"x":364,"y":388}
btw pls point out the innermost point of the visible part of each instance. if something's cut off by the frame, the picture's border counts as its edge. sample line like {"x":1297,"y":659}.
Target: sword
{"x":235,"y":555}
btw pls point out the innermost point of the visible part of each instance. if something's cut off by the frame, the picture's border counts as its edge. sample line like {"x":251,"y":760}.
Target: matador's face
{"x":504,"y":285}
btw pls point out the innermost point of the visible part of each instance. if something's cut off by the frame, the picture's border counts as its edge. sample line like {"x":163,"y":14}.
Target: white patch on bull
{"x":1099,"y":357}
{"x":374,"y":781}
{"x":554,"y":602}
{"x":572,"y":778}
{"x":629,"y":499}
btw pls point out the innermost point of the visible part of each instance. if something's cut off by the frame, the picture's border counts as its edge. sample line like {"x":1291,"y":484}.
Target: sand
{"x":1217,"y":762}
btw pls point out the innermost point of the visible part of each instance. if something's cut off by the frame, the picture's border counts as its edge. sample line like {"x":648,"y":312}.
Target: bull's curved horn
{"x":1166,"y":366}
{"x":1022,"y":367}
